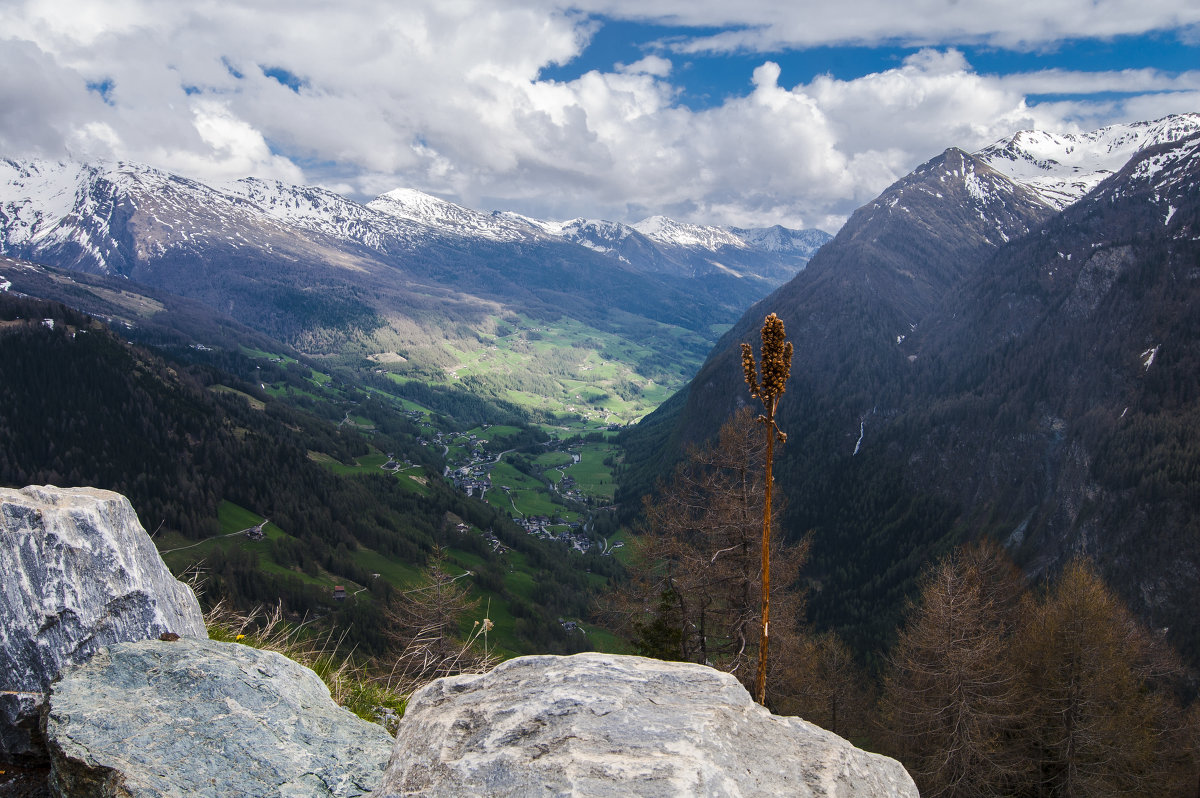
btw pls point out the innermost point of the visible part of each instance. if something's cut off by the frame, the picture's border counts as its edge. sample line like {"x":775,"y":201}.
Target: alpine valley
{"x":306,"y":393}
{"x":588,"y":318}
{"x":1003,"y":343}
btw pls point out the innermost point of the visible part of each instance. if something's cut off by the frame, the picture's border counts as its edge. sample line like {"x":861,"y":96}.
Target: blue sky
{"x":706,"y":79}
{"x":748,"y":113}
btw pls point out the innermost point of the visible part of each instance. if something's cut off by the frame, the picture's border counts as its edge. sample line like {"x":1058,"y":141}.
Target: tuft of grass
{"x":349,"y":684}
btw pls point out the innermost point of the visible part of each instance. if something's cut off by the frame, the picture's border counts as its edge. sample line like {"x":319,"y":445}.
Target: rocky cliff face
{"x":604,"y":725}
{"x":80,"y":573}
{"x":158,"y":719}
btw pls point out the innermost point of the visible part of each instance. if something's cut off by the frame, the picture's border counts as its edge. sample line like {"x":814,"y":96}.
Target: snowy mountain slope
{"x":119,"y":218}
{"x":108,"y":218}
{"x":35,"y":196}
{"x":782,"y":239}
{"x":447,"y":218}
{"x":1166,"y":177}
{"x":321,"y":211}
{"x":1062,"y":167}
{"x":612,"y":238}
{"x":691,"y":236}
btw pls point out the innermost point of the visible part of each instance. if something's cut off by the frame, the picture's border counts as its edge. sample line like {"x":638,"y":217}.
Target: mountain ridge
{"x":1062,"y":168}
{"x":970,"y":360}
{"x":37,"y":196}
{"x":415,"y":282}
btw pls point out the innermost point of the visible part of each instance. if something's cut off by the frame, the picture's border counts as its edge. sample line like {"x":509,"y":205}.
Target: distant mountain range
{"x":134,"y":221}
{"x":408,"y":282}
{"x":1001,"y":343}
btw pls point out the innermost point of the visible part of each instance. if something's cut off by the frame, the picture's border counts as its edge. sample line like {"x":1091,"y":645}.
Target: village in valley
{"x":552,"y":489}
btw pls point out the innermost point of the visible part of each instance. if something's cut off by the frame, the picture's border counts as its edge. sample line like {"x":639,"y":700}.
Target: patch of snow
{"x":1061,"y":168}
{"x":727,"y":270}
{"x":862,"y":431}
{"x":976,"y":188}
{"x":1147,"y":357}
{"x":592,"y":245}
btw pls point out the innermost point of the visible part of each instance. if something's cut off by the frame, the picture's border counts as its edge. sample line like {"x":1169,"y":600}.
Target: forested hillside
{"x":188,"y":441}
{"x":949,"y":385}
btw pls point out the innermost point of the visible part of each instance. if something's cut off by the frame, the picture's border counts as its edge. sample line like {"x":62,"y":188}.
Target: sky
{"x":746,"y":113}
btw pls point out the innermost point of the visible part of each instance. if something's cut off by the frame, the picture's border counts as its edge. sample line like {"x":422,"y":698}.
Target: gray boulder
{"x":79,"y":573}
{"x":605,"y":725}
{"x":204,"y":719}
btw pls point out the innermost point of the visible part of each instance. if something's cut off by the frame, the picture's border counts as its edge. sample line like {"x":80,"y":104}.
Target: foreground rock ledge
{"x":77,"y":573}
{"x":606,"y":725}
{"x":203,"y":719}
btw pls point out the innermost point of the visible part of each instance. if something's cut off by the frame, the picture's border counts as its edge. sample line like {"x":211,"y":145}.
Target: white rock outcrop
{"x":606,"y":725}
{"x":79,"y":573}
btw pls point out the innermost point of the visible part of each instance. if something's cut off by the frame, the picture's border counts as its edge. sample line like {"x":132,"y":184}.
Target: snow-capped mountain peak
{"x":681,"y":234}
{"x":1062,"y":167}
{"x":596,"y":230}
{"x":121,"y":218}
{"x":449,"y":218}
{"x":782,"y":239}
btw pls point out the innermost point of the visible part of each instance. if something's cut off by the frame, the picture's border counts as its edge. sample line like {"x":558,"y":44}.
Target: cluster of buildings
{"x":393,"y":464}
{"x":539,"y":526}
{"x":474,"y":478}
{"x":472,"y":482}
{"x":568,"y":489}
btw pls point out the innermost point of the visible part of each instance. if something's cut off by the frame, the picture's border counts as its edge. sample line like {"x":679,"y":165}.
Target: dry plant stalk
{"x":776,"y":367}
{"x":426,"y":657}
{"x":423,"y":627}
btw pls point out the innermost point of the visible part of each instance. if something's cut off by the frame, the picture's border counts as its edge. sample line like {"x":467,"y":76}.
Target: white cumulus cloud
{"x":447,"y":97}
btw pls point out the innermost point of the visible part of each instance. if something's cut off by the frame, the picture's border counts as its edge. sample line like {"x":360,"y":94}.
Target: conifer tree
{"x":1101,"y":721}
{"x":953,"y":699}
{"x":694,"y":592}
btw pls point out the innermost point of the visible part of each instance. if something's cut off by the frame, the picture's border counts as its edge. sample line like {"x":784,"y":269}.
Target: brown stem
{"x":761,"y":684}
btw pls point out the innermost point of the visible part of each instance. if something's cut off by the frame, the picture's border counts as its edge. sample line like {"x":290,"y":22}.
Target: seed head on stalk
{"x":776,"y":368}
